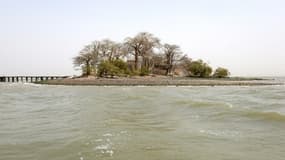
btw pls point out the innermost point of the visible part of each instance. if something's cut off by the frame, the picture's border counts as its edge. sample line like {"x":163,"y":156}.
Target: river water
{"x":39,"y":122}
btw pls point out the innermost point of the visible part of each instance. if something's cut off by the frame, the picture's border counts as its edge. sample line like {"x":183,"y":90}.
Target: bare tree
{"x":87,"y":57}
{"x":185,"y":61}
{"x":141,"y":45}
{"x":172,"y":55}
{"x":110,"y":49}
{"x":149,"y":55}
{"x":84,"y":61}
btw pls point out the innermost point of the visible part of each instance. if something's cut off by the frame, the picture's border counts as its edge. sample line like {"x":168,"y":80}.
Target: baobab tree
{"x":141,"y":45}
{"x":87,"y":57}
{"x":172,"y":55}
{"x":110,"y":50}
{"x":83,"y":61}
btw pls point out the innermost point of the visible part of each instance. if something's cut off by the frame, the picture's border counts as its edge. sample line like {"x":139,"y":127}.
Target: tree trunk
{"x":167,"y":72}
{"x":88,"y":69}
{"x":168,"y":69}
{"x":111,"y":57}
{"x":136,"y":61}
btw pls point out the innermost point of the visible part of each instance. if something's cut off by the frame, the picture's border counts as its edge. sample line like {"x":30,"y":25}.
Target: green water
{"x":141,"y":123}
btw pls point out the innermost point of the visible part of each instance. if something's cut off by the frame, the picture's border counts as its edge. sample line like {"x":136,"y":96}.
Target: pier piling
{"x":28,"y":79}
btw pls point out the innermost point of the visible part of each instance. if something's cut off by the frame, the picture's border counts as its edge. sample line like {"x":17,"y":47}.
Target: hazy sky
{"x":39,"y":37}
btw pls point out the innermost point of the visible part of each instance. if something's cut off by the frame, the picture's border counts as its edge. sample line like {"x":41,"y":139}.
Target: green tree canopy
{"x":112,"y":68}
{"x":199,"y":69}
{"x":221,"y":73}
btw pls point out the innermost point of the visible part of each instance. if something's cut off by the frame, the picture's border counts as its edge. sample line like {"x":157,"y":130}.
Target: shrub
{"x":199,"y":69}
{"x":221,"y":73}
{"x":106,"y":68}
{"x":113,"y":68}
{"x":144,"y":71}
{"x":120,"y":64}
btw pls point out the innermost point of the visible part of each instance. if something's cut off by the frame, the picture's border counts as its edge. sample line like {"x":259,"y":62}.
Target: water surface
{"x":141,"y":123}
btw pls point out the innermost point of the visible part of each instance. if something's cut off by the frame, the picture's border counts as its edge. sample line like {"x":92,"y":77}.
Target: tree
{"x":141,"y":45}
{"x":221,"y":73}
{"x":149,"y":57}
{"x":172,"y":54}
{"x":113,"y":68}
{"x":106,"y":68}
{"x":84,"y":61}
{"x":158,"y":61}
{"x":185,"y":61}
{"x":110,"y":50}
{"x":199,"y":69}
{"x":87,"y":58}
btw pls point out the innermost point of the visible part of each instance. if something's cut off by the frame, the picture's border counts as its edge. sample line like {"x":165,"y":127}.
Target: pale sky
{"x":40,"y":37}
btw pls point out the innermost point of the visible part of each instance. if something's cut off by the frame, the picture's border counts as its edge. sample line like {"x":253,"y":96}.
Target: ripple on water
{"x":63,"y":123}
{"x":202,"y":103}
{"x":266,"y":116}
{"x":104,"y":146}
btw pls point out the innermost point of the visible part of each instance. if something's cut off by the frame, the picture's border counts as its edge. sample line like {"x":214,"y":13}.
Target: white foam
{"x":229,"y":105}
{"x":24,"y":85}
{"x":102,"y":147}
{"x":31,"y":84}
{"x":98,"y":140}
{"x":225,"y":133}
{"x":111,"y":152}
{"x":202,"y":131}
{"x":108,"y":135}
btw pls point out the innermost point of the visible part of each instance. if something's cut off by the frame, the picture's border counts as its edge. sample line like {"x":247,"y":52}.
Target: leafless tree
{"x":87,"y":57}
{"x":110,"y":50}
{"x":141,"y":45}
{"x":150,"y":56}
{"x":172,"y":55}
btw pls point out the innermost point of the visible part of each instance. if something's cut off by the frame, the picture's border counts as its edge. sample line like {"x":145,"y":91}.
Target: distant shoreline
{"x":160,"y":81}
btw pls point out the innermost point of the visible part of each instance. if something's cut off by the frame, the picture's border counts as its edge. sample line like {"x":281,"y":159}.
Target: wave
{"x":22,"y":84}
{"x":224,"y":110}
{"x":221,"y":133}
{"x":198,"y":104}
{"x":271,"y":116}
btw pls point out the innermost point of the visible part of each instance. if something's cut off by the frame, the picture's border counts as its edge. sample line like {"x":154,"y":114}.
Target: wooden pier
{"x":28,"y":79}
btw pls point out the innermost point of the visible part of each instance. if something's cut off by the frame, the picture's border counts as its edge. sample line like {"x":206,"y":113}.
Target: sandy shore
{"x":158,"y":81}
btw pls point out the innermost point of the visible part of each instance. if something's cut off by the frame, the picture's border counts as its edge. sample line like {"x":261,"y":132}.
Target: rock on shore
{"x":158,"y":81}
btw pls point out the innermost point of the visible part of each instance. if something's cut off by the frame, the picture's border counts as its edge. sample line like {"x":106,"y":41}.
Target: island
{"x":144,"y":60}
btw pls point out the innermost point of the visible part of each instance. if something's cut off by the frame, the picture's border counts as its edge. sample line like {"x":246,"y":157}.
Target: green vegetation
{"x":141,"y":55}
{"x":221,"y":73}
{"x":144,"y":71}
{"x":113,"y":68}
{"x":199,"y":69}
